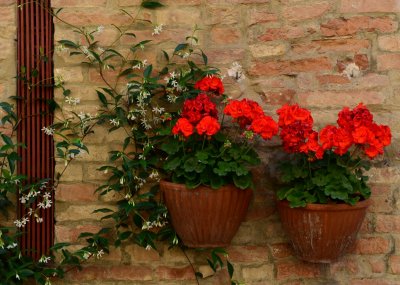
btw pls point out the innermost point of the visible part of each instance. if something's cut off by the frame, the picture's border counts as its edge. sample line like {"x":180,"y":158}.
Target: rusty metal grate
{"x":35,"y":37}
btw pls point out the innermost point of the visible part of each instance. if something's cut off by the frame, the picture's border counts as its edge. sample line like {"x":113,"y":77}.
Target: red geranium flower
{"x":244,"y":111}
{"x":265,"y":126}
{"x":208,"y":125}
{"x":210,"y":84}
{"x":195,"y":109}
{"x":184,"y":127}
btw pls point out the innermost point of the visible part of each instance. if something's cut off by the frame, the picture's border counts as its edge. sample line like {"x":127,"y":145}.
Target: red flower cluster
{"x":250,"y":115}
{"x":200,"y":112}
{"x":210,"y":84}
{"x":296,"y":129}
{"x":355,"y":127}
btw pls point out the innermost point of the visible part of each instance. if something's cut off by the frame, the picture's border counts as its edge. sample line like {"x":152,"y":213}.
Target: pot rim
{"x":182,"y":187}
{"x":327,"y":207}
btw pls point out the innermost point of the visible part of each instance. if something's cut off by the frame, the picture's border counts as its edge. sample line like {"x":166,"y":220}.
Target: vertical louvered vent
{"x":35,"y":40}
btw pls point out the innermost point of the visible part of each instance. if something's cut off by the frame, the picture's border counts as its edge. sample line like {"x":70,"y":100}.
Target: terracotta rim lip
{"x":327,"y":207}
{"x":182,"y":187}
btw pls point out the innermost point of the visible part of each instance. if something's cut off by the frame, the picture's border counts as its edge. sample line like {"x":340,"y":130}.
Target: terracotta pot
{"x":322,"y":233}
{"x":204,"y":217}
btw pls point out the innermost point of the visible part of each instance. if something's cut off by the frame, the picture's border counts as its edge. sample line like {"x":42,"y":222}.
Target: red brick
{"x":273,"y":34}
{"x":77,"y":3}
{"x":329,"y":45}
{"x":381,"y":204}
{"x":380,"y":189}
{"x":340,"y":98}
{"x":225,"y":15}
{"x":98,"y":16}
{"x":305,"y":12}
{"x":70,"y":234}
{"x":346,"y":264}
{"x":362,"y":61}
{"x":76,"y":192}
{"x":388,"y":224}
{"x":367,"y":6}
{"x":388,"y":61}
{"x":173,"y":273}
{"x":281,"y":250}
{"x":290,"y":67}
{"x":278,"y":98}
{"x":333,"y":79}
{"x":139,"y":254}
{"x":292,"y":270}
{"x":394,"y":263}
{"x":377,"y":264}
{"x":350,"y":26}
{"x":225,"y":55}
{"x":373,"y":245}
{"x":225,"y":35}
{"x":259,"y":16}
{"x":245,"y":254}
{"x":7,"y":15}
{"x":377,"y":281}
{"x":389,"y":43}
{"x":129,"y":273}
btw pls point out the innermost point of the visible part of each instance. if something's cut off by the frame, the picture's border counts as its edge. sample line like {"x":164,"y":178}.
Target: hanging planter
{"x":204,"y":217}
{"x":322,"y":233}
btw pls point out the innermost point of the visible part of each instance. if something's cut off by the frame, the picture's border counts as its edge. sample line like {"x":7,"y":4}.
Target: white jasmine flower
{"x":171,"y":98}
{"x":173,"y":74}
{"x":47,"y":282}
{"x":158,"y":110}
{"x":114,"y":122}
{"x":17,"y":276}
{"x":100,"y":29}
{"x":44,"y":259}
{"x":12,"y":245}
{"x":99,"y":254}
{"x":72,"y":101}
{"x":157,"y":29}
{"x":148,"y":247}
{"x":48,"y":131}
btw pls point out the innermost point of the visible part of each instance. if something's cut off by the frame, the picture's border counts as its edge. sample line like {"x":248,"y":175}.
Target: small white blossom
{"x":157,"y":29}
{"x":100,"y":29}
{"x":48,"y":282}
{"x":158,"y":110}
{"x":17,"y":276}
{"x":171,"y":98}
{"x":154,"y":174}
{"x":114,"y":122}
{"x":48,"y":131}
{"x":148,"y":247}
{"x":72,"y":101}
{"x":99,"y":254}
{"x":44,"y":259}
{"x":12,"y":245}
{"x":100,"y":49}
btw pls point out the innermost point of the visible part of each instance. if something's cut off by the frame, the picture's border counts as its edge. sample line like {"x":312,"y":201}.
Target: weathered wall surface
{"x":321,"y":54}
{"x":8,"y":27}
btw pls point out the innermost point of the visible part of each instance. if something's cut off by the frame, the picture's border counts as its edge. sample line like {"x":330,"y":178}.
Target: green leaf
{"x":171,"y":148}
{"x":180,"y":47}
{"x":172,"y":164}
{"x":102,"y":98}
{"x":243,"y":182}
{"x":151,"y":4}
{"x":147,"y":71}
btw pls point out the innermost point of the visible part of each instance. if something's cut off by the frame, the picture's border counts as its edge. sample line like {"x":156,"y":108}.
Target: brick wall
{"x":8,"y":48}
{"x":292,"y":51}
